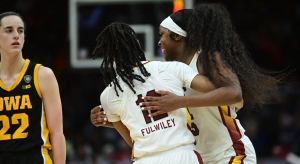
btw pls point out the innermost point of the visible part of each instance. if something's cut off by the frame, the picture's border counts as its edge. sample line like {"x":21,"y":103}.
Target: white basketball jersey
{"x":160,"y":133}
{"x":215,"y":128}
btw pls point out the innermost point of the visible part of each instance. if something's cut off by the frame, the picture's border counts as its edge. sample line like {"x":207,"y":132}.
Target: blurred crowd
{"x":267,"y":27}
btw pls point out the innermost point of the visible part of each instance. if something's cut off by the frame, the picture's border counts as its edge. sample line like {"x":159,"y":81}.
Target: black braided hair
{"x":119,"y":45}
{"x":210,"y":29}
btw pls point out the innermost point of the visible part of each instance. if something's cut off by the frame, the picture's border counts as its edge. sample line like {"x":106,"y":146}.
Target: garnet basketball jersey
{"x":215,"y":127}
{"x":22,"y":117}
{"x":151,"y":134}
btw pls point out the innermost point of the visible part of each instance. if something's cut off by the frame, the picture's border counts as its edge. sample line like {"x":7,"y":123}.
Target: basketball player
{"x":161,"y":139}
{"x":224,"y":60}
{"x":30,"y":106}
{"x":222,"y":138}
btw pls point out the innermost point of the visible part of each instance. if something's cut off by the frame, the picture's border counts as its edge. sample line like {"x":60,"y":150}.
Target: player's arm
{"x":53,"y":109}
{"x":228,"y":89}
{"x":228,"y":92}
{"x":98,"y":118}
{"x":124,"y":132}
{"x":111,"y":104}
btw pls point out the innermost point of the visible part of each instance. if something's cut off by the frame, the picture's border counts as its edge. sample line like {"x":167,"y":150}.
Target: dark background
{"x":269,"y":29}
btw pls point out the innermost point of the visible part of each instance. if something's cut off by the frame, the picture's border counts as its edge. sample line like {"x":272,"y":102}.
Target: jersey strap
{"x":36,"y":81}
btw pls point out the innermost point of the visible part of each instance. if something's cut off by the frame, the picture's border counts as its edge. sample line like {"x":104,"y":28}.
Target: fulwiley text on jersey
{"x":159,"y":126}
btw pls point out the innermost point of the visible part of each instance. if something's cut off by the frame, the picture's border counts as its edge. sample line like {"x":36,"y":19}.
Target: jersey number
{"x":194,"y":129}
{"x":14,"y":120}
{"x":146,"y":113}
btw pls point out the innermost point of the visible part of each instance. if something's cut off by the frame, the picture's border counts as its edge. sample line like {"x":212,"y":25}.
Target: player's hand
{"x":98,"y":118}
{"x":167,"y":102}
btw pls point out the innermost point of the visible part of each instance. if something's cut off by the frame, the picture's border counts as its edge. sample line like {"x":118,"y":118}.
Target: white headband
{"x":171,"y":25}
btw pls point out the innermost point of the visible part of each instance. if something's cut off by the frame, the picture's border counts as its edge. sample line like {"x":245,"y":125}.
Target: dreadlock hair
{"x":10,"y":13}
{"x":119,"y":45}
{"x":210,"y":29}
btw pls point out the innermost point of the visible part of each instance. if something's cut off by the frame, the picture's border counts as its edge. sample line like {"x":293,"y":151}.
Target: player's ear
{"x":177,"y":37}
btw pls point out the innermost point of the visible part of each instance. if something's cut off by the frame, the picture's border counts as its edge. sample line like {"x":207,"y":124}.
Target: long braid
{"x":120,"y":47}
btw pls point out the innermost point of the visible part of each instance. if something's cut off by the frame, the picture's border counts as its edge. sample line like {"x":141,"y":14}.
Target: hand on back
{"x":167,"y":102}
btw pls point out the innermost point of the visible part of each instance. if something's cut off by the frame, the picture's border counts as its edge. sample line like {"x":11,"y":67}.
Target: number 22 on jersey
{"x":18,"y":134}
{"x":146,"y":113}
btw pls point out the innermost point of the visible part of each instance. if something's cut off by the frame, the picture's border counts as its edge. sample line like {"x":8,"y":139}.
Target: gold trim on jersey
{"x":132,"y":151}
{"x":238,"y":159}
{"x":192,"y":59}
{"x":45,"y":130}
{"x":36,"y":80}
{"x":189,"y":118}
{"x":20,"y":77}
{"x":194,"y":56}
{"x":230,"y":123}
{"x":47,"y":159}
{"x":143,"y":64}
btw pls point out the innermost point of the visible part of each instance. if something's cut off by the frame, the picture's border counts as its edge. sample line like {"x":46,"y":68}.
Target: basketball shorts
{"x":241,"y":152}
{"x":179,"y":155}
{"x":26,"y":158}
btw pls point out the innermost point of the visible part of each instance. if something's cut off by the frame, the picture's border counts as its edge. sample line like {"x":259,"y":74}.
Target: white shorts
{"x":186,"y":154}
{"x":241,"y":152}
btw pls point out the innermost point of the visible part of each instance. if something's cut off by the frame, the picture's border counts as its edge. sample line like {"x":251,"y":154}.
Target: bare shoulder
{"x":47,"y":82}
{"x":45,"y":73}
{"x":46,"y":78}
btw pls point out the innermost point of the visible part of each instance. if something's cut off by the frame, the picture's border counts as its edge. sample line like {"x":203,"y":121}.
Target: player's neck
{"x":188,"y":56}
{"x":10,"y":66}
